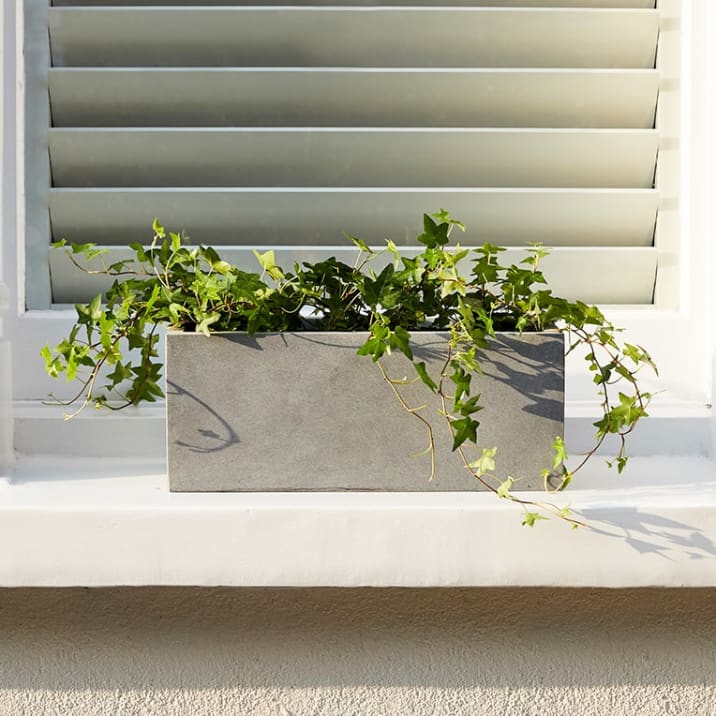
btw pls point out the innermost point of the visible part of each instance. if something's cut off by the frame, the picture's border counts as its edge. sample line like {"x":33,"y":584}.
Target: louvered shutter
{"x":274,"y":125}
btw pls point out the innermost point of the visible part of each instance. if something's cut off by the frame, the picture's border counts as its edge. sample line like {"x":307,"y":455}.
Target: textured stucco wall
{"x":330,"y":651}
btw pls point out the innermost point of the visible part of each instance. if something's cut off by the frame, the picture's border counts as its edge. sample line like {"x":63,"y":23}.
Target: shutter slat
{"x":358,"y":97}
{"x":438,"y":3}
{"x":630,"y":270}
{"x":330,"y":157}
{"x":510,"y":217}
{"x":357,"y":37}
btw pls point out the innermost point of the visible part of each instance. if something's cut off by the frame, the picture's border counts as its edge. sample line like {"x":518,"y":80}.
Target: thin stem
{"x":414,"y":413}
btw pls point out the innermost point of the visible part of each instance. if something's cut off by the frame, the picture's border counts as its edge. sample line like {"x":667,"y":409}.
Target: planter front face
{"x":302,"y":411}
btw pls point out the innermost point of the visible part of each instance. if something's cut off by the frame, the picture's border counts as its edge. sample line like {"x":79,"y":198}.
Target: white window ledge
{"x":65,"y":522}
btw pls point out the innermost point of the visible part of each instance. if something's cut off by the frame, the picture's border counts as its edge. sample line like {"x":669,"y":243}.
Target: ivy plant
{"x":111,"y":351}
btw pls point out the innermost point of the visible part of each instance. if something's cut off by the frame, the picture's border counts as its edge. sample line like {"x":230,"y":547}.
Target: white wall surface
{"x":357,"y":651}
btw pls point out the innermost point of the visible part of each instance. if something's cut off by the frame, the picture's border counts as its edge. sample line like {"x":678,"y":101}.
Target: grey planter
{"x":302,"y":411}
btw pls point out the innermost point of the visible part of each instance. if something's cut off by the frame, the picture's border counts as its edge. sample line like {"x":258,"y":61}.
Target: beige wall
{"x":330,"y":651}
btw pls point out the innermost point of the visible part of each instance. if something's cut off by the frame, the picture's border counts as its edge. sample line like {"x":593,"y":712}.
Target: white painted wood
{"x":437,"y":3}
{"x":171,"y":97}
{"x":319,"y":216}
{"x":254,"y":124}
{"x":353,"y":36}
{"x":571,"y":272}
{"x":33,"y":171}
{"x":110,"y":523}
{"x":352,"y":157}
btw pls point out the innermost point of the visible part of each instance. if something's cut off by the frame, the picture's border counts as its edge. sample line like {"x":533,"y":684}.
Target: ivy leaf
{"x":621,"y":463}
{"x":443,"y":217}
{"x":486,"y":463}
{"x":375,"y":345}
{"x":393,"y":251}
{"x":121,"y":372}
{"x":267,"y":260}
{"x":422,"y":372}
{"x":470,"y":406}
{"x":567,"y":478}
{"x":503,"y":491}
{"x":374,"y":287}
{"x":158,"y":229}
{"x":465,"y":429}
{"x":95,"y":307}
{"x":462,"y":379}
{"x":428,"y":236}
{"x":400,"y":338}
{"x":203,"y":325}
{"x":359,"y":243}
{"x":53,"y":365}
{"x":529,"y":518}
{"x":560,"y":452}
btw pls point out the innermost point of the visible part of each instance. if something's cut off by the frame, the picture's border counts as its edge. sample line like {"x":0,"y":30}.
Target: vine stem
{"x":413,"y":412}
{"x":525,"y":504}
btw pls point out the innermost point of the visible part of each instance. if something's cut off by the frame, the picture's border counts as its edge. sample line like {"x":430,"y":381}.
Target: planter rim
{"x":419,"y":331}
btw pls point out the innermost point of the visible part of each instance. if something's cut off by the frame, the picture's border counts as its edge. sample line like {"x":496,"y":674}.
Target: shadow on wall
{"x":445,"y":639}
{"x":649,"y":533}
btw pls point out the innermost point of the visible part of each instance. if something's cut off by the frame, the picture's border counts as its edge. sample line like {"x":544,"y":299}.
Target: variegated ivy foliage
{"x":112,"y":349}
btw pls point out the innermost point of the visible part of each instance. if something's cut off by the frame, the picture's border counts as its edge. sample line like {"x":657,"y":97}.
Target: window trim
{"x":655,"y":529}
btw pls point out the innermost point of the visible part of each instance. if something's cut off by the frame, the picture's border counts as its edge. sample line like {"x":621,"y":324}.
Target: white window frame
{"x":67,"y":521}
{"x":681,"y":423}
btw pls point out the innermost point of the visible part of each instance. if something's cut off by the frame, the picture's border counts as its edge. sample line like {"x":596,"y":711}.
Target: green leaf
{"x":462,"y":379}
{"x":360,"y":244}
{"x":95,"y":307}
{"x":470,"y":406}
{"x":203,"y":325}
{"x":503,"y":491}
{"x":46,"y":353}
{"x":376,"y":344}
{"x":486,"y":462}
{"x":529,"y":518}
{"x":443,"y":217}
{"x":400,"y":338}
{"x":464,"y":429}
{"x":560,"y":452}
{"x":158,"y":229}
{"x":393,"y":251}
{"x":268,"y":263}
{"x":434,"y":235}
{"x":620,"y":461}
{"x":121,"y":372}
{"x":567,"y":478}
{"x":422,"y":372}
{"x":374,"y":288}
{"x":468,"y":360}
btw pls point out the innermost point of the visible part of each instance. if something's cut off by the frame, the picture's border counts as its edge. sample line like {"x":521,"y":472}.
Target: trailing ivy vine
{"x":111,"y":351}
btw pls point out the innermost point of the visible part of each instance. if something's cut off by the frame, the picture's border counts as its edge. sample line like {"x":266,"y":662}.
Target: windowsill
{"x":66,"y":522}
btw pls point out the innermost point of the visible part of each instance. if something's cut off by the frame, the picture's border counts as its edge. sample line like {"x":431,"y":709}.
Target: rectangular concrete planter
{"x":302,"y":411}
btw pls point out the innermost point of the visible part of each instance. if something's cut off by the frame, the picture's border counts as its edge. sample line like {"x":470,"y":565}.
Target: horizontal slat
{"x":320,"y":216}
{"x":350,"y":36}
{"x":477,"y":3}
{"x":366,"y":97}
{"x":572,"y":273}
{"x":371,"y":158}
